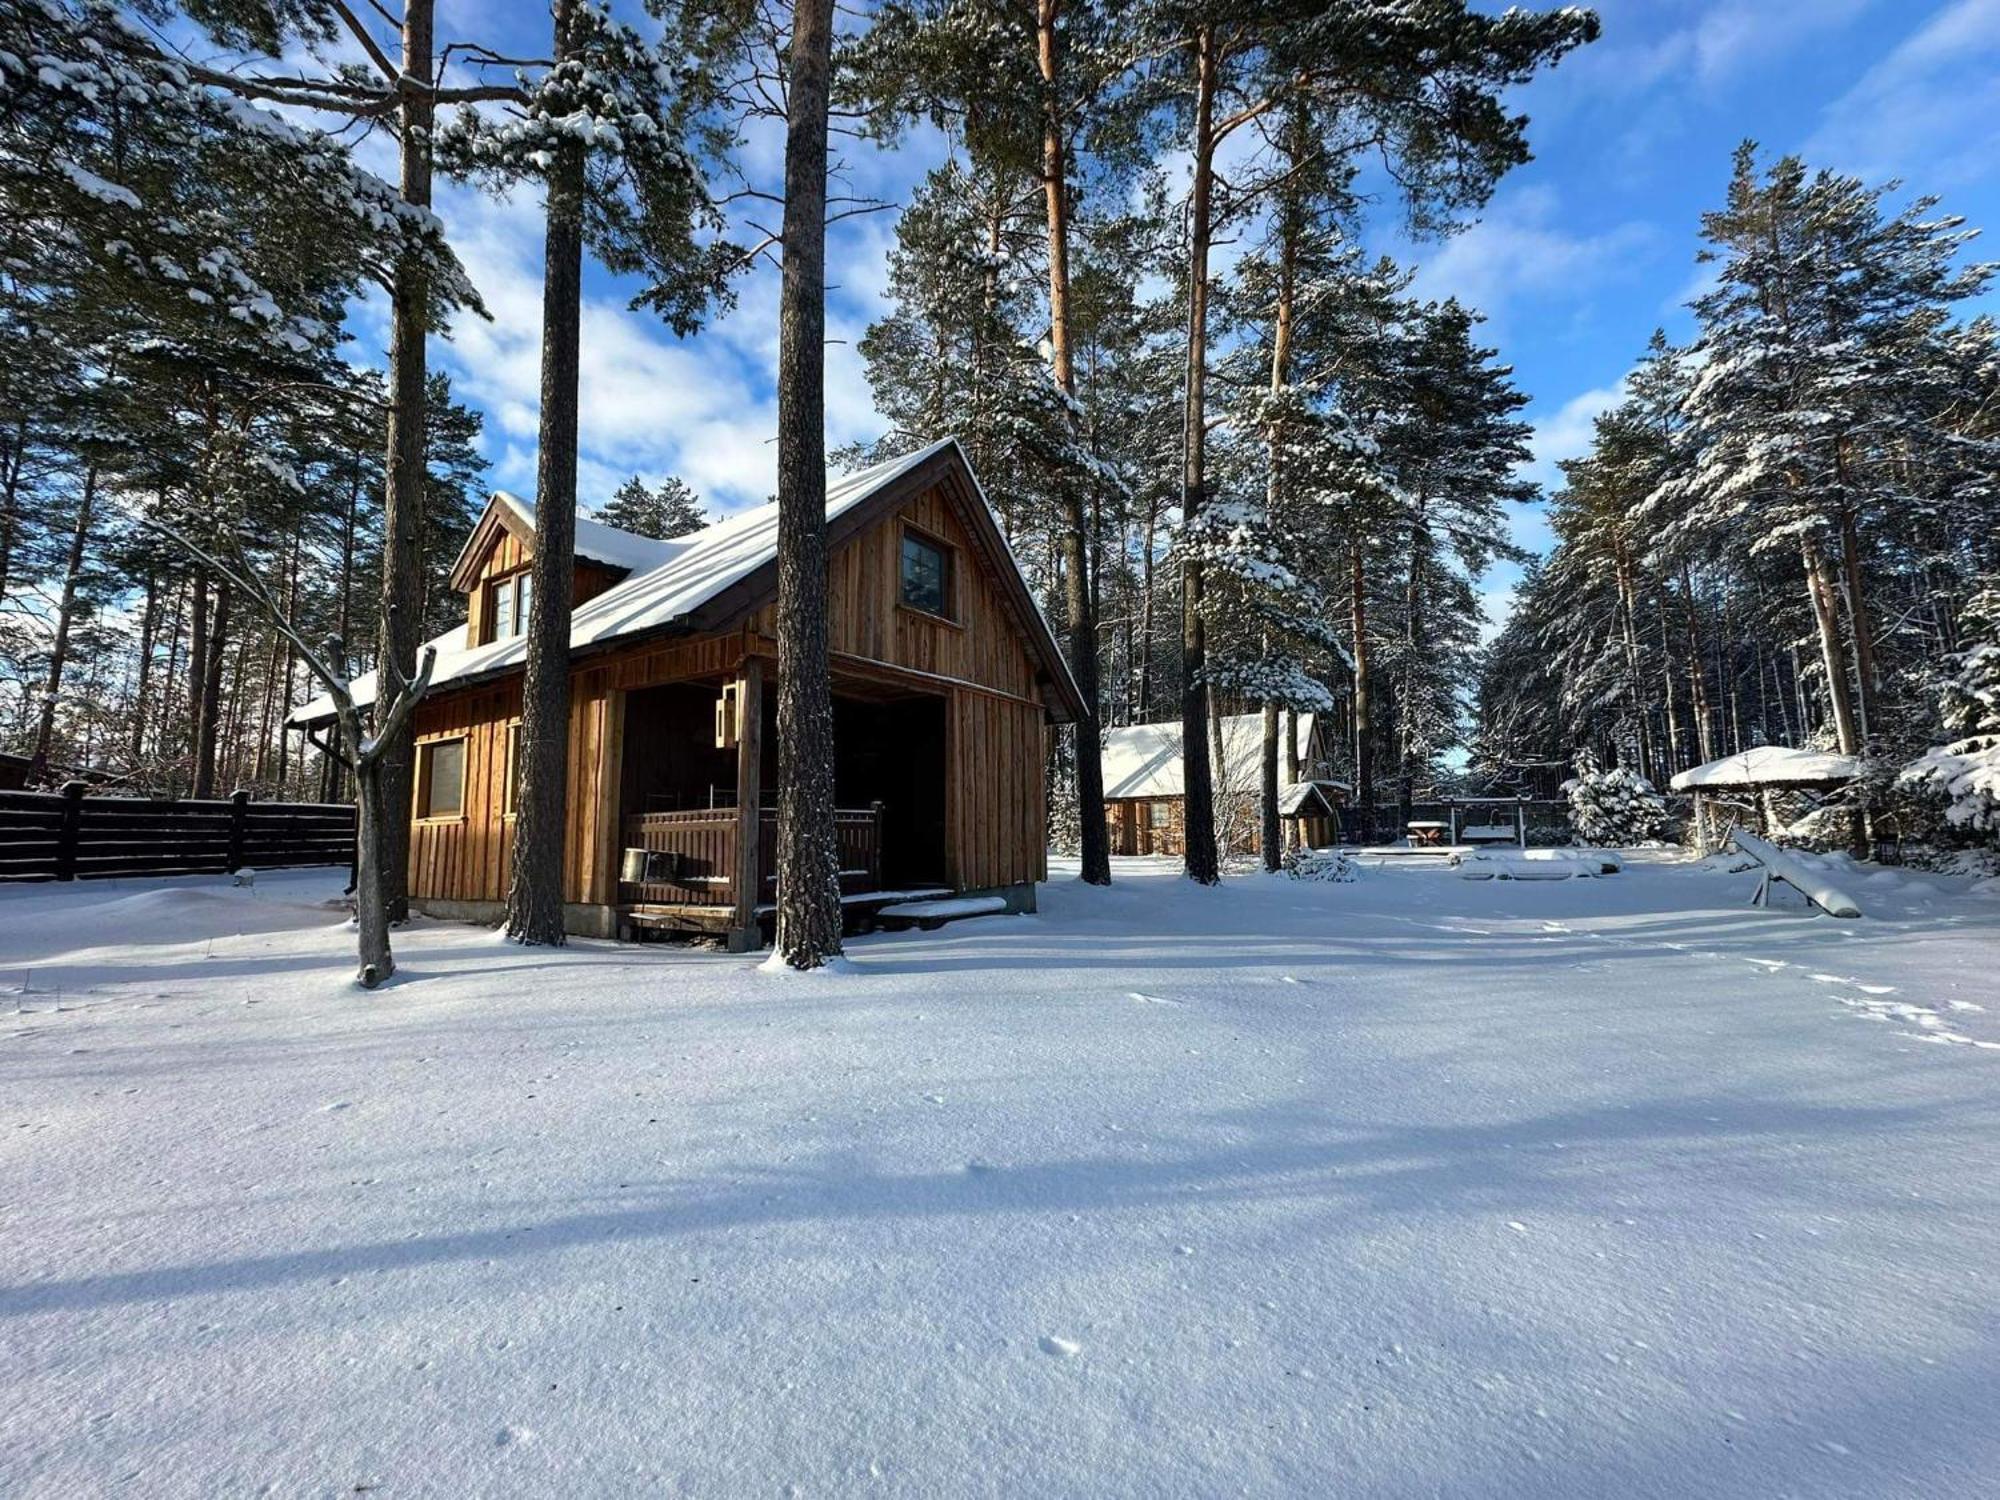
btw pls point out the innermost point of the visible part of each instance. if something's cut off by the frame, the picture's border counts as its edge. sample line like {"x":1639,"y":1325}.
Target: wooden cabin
{"x":945,"y":675}
{"x":1144,"y":798}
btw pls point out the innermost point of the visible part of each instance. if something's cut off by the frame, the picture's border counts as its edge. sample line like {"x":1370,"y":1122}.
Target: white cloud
{"x":652,"y":404}
{"x":1566,"y":433}
{"x":1928,"y":109}
{"x":1732,"y":35}
{"x":1520,"y":250}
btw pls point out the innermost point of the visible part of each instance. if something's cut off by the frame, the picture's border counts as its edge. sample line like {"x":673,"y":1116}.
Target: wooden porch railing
{"x":692,"y":855}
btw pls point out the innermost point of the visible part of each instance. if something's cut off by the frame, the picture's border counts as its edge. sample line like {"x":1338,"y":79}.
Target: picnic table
{"x":1426,"y":834}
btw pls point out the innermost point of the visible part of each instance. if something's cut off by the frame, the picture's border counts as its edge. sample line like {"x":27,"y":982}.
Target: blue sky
{"x":1580,"y":255}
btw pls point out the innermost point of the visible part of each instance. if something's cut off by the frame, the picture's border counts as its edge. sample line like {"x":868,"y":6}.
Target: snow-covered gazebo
{"x":1757,"y":773}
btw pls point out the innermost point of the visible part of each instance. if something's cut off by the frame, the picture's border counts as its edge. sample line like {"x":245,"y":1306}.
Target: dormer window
{"x":508,"y":601}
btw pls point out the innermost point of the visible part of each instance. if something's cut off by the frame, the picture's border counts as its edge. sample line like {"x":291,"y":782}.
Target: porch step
{"x":930,"y":915}
{"x":877,"y":899}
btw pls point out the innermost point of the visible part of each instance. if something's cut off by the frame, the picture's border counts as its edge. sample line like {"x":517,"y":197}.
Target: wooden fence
{"x":67,"y":835}
{"x":693,"y":854}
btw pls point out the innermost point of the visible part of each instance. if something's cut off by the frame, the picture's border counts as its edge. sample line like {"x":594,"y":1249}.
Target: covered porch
{"x":697,"y":801}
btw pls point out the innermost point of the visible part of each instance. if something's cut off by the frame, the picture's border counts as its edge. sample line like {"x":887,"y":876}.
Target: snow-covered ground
{"x":1410,"y":1186}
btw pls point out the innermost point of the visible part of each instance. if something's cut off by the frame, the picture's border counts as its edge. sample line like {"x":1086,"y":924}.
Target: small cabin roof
{"x":1769,"y":765}
{"x":712,"y":577}
{"x":1301,"y":798}
{"x":1144,"y":760}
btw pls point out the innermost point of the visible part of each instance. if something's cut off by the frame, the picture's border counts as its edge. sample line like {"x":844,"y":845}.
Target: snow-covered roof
{"x":1768,"y":765}
{"x":1302,"y":795}
{"x":669,"y":579}
{"x":597,"y":542}
{"x":1144,"y":760}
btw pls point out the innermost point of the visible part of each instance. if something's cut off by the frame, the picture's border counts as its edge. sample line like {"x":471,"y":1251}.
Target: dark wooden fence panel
{"x":67,"y":835}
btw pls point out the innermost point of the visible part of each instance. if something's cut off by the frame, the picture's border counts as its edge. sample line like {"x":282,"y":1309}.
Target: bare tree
{"x":363,"y":754}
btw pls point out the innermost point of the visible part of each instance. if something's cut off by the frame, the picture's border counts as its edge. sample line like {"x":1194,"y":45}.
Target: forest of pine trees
{"x":1272,"y":479}
{"x":1788,"y":531}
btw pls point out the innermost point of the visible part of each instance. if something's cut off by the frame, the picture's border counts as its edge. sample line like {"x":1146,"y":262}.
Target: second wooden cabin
{"x":1145,"y":799}
{"x":945,"y":676}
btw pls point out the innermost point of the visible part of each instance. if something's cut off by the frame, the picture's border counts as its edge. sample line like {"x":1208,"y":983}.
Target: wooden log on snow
{"x":1779,"y":865}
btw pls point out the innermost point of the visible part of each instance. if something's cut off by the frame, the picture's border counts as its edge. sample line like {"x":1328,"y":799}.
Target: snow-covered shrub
{"x":1613,"y":807}
{"x":1966,"y":769}
{"x":1318,"y":864}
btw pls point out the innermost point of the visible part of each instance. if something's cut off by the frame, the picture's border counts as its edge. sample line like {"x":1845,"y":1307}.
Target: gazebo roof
{"x":1298,"y":799}
{"x":1769,"y":765}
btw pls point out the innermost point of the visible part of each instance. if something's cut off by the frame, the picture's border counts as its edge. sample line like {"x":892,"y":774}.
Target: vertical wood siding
{"x":995,"y":811}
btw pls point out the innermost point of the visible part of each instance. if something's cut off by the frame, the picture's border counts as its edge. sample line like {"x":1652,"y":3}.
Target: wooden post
{"x":744,"y":933}
{"x":239,"y":801}
{"x":1521,"y":822}
{"x":72,"y":815}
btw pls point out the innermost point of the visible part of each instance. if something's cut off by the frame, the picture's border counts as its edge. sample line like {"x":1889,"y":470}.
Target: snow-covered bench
{"x":1535,"y":864}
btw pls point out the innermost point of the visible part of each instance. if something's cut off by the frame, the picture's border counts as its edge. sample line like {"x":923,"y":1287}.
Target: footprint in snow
{"x":1062,"y":1348}
{"x":1144,"y":999}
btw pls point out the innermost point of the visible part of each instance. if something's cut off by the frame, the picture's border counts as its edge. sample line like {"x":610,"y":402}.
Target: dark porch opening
{"x":893,"y":753}
{"x":679,"y":790}
{"x":671,"y":760}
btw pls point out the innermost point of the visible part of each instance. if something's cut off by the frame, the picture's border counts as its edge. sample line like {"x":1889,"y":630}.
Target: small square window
{"x":441,"y":778}
{"x":1159,"y":814}
{"x":926,"y":575}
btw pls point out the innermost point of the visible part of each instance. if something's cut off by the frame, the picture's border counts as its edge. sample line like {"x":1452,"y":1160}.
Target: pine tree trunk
{"x":809,"y":915}
{"x":1094,"y":842}
{"x":1628,"y":629}
{"x":1821,"y":587}
{"x":371,"y":905}
{"x":1270,"y":831}
{"x":1198,"y":799}
{"x":535,"y":898}
{"x":1413,"y":645}
{"x":1861,"y":624}
{"x":149,"y":624}
{"x":79,"y":541}
{"x":1291,"y":733}
{"x":1364,"y":724}
{"x":1143,"y":712}
{"x":170,"y":673}
{"x":197,"y":670}
{"x":208,"y":705}
{"x":10,"y":498}
{"x":1672,"y":713}
{"x":401,"y":625}
{"x":1697,"y":670}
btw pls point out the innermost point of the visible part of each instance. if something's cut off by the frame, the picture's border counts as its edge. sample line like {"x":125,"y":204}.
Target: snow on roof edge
{"x":688,"y":572}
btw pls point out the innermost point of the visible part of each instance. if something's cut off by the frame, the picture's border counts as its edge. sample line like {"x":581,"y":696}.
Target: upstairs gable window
{"x":508,"y":615}
{"x":926,"y":575}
